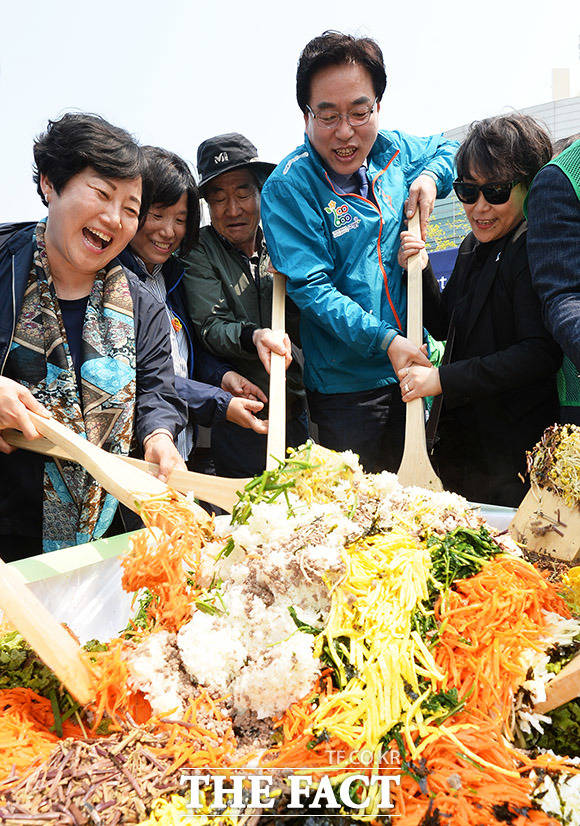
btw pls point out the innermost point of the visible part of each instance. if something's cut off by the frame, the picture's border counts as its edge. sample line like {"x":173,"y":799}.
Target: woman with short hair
{"x":212,"y":390}
{"x":79,"y":338}
{"x":497,"y":380}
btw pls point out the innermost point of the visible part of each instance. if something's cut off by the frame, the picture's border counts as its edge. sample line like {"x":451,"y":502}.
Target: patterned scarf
{"x":76,"y":509}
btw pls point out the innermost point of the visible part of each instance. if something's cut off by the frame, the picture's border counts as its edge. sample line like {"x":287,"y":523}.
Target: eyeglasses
{"x":493,"y":193}
{"x":357,"y":117}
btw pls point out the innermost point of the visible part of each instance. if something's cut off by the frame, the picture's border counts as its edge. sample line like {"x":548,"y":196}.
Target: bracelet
{"x":156,"y":433}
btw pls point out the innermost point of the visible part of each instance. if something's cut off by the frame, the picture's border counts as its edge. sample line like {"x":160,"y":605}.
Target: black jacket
{"x":202,"y":393}
{"x":499,"y":389}
{"x":156,"y":404}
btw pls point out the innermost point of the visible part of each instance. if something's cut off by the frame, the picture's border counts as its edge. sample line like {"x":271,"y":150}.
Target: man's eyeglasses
{"x":493,"y":193}
{"x":356,"y":117}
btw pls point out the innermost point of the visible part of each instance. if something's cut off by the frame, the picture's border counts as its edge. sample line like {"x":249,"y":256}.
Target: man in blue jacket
{"x":332,"y":211}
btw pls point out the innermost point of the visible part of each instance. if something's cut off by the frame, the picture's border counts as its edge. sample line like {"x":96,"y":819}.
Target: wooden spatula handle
{"x":564,"y":687}
{"x":129,"y":485}
{"x":276,"y":444}
{"x":218,"y":490}
{"x":416,"y":466}
{"x":415,"y":289}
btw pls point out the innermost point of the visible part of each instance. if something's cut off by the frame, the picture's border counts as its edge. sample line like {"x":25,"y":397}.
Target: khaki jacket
{"x":223,"y":298}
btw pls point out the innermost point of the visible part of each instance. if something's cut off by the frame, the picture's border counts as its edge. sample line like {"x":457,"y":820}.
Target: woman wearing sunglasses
{"x":497,"y":381}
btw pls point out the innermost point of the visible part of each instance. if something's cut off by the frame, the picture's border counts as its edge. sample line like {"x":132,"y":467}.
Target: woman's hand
{"x":402,"y":353}
{"x":241,"y":411}
{"x":160,"y":450}
{"x":269,"y":341}
{"x":422,"y":193}
{"x":238,"y":385}
{"x":15,"y":402}
{"x":411,"y":245}
{"x":417,"y":382}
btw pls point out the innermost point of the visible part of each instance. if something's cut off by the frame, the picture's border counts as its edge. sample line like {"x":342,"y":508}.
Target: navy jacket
{"x":554,"y":250}
{"x":202,"y":393}
{"x":156,"y":405}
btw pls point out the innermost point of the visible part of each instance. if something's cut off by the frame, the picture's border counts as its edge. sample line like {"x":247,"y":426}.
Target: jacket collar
{"x":16,"y":236}
{"x":172,"y":269}
{"x":375,"y":160}
{"x":260,"y":243}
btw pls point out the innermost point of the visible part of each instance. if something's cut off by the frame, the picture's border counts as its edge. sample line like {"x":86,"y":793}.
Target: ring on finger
{"x":407,"y":387}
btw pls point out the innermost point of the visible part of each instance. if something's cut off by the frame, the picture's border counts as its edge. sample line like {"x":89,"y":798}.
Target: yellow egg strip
{"x":386,"y":577}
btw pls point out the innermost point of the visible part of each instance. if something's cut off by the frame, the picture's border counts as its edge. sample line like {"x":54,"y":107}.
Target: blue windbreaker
{"x":340,"y":255}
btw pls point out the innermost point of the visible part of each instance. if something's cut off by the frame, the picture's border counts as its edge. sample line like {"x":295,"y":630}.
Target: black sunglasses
{"x":493,"y":193}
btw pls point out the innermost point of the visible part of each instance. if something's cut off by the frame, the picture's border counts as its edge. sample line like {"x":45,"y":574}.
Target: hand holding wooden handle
{"x":130,"y":485}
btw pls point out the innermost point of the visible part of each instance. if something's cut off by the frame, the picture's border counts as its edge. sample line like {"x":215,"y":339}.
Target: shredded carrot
{"x":168,"y":565}
{"x":25,"y":737}
{"x":299,"y":748}
{"x":113,"y":695}
{"x":481,"y":646}
{"x":461,"y":790}
{"x":466,"y":768}
{"x":487,"y":621}
{"x":204,"y":737}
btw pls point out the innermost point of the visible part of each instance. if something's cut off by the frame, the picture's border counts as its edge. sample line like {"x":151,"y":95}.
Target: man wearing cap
{"x":229,"y":294}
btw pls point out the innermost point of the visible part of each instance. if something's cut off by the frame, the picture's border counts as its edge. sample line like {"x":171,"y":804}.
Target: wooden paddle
{"x":544,"y":523}
{"x":48,"y":638}
{"x":129,"y":484}
{"x":219,"y":490}
{"x":276,"y":445}
{"x":564,"y":687}
{"x":53,"y":644}
{"x":416,"y":468}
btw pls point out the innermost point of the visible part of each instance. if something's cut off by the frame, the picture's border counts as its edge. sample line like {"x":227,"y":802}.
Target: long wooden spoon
{"x":219,"y":490}
{"x":416,"y":468}
{"x":53,"y":644}
{"x":276,"y":445}
{"x":564,"y":687}
{"x":130,"y":485}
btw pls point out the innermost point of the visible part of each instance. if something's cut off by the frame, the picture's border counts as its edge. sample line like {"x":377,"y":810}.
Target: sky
{"x":174,"y":72}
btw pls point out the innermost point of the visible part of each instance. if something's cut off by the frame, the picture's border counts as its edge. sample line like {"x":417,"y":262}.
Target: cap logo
{"x":223,"y":156}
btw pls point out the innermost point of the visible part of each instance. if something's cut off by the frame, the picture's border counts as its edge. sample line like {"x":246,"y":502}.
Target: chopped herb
{"x":303,"y":626}
{"x":276,"y":483}
{"x":95,"y":645}
{"x":460,"y":554}
{"x":562,"y":735}
{"x":227,"y":549}
{"x":322,"y":737}
{"x":21,"y":667}
{"x":141,"y":621}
